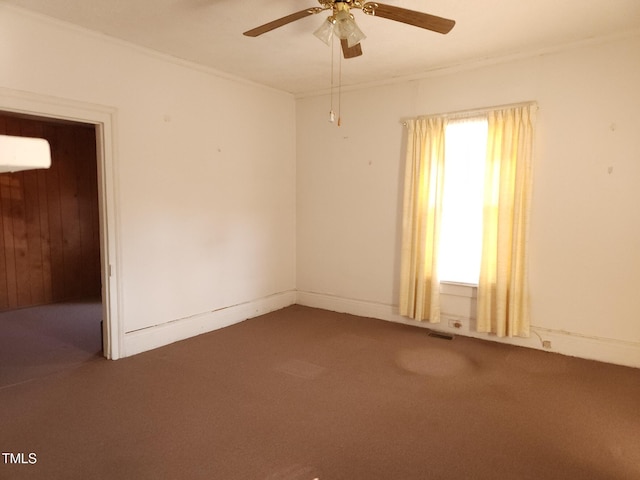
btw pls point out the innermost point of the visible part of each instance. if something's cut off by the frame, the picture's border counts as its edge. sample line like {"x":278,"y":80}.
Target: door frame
{"x":104,"y":120}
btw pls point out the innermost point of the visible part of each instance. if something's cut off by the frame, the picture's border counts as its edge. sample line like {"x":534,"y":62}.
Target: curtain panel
{"x":503,"y":297}
{"x":424,"y":175}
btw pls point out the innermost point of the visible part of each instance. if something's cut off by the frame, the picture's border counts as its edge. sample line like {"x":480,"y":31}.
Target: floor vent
{"x":442,"y":335}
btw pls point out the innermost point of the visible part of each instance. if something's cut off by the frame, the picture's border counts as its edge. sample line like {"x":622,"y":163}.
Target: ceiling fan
{"x":341,"y":22}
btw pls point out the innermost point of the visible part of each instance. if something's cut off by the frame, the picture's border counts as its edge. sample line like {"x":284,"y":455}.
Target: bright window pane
{"x":461,"y":234}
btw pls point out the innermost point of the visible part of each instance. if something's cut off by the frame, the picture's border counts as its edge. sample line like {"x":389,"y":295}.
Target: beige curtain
{"x":503,"y":302}
{"x":424,"y":170}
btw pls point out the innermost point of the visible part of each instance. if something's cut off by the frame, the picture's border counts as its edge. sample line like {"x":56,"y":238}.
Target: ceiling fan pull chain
{"x":339,"y":88}
{"x":332,"y":115}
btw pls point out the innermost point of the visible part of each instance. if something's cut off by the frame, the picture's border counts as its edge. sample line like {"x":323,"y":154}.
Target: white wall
{"x":204,"y":176}
{"x":585,"y":231}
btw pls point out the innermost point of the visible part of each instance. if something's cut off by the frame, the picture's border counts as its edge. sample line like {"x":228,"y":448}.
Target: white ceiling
{"x":209,"y":32}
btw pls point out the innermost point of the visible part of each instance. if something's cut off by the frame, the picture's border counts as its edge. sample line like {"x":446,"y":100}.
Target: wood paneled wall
{"x":49,"y":228}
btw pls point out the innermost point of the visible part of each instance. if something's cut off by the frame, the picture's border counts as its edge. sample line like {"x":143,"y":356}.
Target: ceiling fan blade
{"x":267,"y":27}
{"x":411,"y":17}
{"x":350,"y":52}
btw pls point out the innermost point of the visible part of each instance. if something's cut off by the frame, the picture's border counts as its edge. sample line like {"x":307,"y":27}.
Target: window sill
{"x":459,"y":289}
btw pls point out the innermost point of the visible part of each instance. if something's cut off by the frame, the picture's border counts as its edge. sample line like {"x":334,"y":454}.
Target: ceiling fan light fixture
{"x":355,"y":36}
{"x":325,"y":31}
{"x":345,"y":25}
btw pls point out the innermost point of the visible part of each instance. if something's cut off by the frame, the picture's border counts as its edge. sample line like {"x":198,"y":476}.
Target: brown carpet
{"x":39,"y":341}
{"x":303,"y":394}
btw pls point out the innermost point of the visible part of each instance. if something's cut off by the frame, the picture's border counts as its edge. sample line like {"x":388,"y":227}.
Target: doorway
{"x":101,"y":119}
{"x":50,"y":268}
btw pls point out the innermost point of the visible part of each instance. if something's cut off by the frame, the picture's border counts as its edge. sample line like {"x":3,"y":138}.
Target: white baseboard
{"x":174,"y":331}
{"x":607,"y":350}
{"x":355,"y":307}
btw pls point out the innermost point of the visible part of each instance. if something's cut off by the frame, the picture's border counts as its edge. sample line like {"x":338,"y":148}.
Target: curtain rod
{"x":470,"y":113}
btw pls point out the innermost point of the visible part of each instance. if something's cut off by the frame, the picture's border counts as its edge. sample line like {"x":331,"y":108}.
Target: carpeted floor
{"x":304,"y":394}
{"x":39,"y":341}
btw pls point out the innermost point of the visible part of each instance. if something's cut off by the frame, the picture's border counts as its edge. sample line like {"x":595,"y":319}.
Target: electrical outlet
{"x":455,"y":323}
{"x":546,"y":344}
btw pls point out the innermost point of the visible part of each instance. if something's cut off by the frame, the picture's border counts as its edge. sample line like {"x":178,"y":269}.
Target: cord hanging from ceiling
{"x":332,"y":113}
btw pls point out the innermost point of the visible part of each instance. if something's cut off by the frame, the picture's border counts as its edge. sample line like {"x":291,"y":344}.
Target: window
{"x":447,"y":192}
{"x":461,"y":228}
